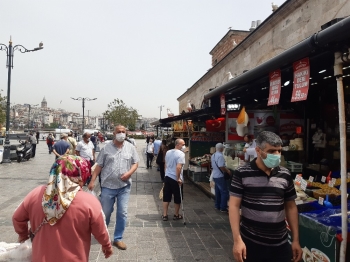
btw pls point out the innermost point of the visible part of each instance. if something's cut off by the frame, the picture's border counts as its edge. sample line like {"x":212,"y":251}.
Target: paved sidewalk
{"x":206,"y":236}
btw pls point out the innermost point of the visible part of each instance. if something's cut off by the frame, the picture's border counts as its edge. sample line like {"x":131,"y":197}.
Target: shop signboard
{"x":280,"y":123}
{"x":301,"y":70}
{"x":222,"y":104}
{"x":275,"y":87}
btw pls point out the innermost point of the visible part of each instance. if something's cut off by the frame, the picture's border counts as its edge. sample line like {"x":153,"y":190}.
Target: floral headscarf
{"x":63,"y":185}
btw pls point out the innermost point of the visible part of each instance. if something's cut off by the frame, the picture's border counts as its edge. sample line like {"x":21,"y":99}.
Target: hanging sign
{"x":301,"y":80}
{"x":275,"y":88}
{"x":222,"y":103}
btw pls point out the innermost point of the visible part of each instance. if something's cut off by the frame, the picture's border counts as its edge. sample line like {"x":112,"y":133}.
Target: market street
{"x":206,"y":236}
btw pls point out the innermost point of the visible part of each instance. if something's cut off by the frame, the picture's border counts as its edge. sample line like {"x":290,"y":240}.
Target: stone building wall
{"x":290,"y":24}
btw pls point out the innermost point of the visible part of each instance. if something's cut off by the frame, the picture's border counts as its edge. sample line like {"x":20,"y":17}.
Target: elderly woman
{"x":62,"y":216}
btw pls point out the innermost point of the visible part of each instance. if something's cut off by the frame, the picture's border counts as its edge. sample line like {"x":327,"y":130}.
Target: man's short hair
{"x":177,"y":141}
{"x":63,"y":135}
{"x":219,"y":146}
{"x":267,"y":137}
{"x":86,"y":133}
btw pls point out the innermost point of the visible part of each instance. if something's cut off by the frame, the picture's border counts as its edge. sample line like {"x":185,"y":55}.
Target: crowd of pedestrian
{"x":261,"y":197}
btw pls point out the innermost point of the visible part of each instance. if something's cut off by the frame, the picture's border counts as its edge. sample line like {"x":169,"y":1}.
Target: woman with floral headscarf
{"x":62,"y":216}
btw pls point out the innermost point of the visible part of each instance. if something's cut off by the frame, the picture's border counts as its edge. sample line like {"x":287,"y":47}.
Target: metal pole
{"x":6,"y":158}
{"x":338,"y":73}
{"x":28,"y":117}
{"x":83,"y":114}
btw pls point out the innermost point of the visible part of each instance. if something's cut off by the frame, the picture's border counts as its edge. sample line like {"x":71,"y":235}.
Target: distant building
{"x":44,"y":103}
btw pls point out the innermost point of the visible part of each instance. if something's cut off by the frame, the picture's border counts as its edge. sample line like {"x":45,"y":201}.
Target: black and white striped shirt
{"x":263,"y":198}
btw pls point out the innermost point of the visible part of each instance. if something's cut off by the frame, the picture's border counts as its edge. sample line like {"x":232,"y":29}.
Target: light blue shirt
{"x":172,"y":158}
{"x":217,"y":160}
{"x":157,"y":144}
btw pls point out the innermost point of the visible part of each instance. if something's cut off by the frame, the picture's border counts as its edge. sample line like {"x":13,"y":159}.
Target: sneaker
{"x":224,"y":210}
{"x":120,"y":245}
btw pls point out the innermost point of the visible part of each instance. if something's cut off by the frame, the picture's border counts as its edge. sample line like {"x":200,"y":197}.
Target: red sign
{"x":222,"y":103}
{"x":301,"y":80}
{"x":275,"y":88}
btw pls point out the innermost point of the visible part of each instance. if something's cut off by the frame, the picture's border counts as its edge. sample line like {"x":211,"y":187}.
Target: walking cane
{"x":182,"y":206}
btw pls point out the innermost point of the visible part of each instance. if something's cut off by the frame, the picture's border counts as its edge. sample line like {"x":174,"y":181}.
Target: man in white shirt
{"x":249,"y":148}
{"x":85,"y":149}
{"x":150,"y":153}
{"x":174,"y":162}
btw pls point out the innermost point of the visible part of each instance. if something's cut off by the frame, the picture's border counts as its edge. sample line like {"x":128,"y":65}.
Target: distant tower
{"x":44,"y":103}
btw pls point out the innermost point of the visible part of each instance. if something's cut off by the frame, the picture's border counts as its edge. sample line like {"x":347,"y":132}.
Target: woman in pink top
{"x":62,"y":216}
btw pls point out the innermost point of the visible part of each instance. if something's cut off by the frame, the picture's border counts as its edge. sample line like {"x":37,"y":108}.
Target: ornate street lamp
{"x":9,"y":52}
{"x":83,"y":103}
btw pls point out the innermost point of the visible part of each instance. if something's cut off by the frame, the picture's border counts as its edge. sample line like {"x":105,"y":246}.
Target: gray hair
{"x":177,"y":141}
{"x":267,"y":137}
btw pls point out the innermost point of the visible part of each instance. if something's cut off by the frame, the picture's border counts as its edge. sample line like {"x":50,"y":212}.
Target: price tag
{"x":299,"y":202}
{"x":320,"y":200}
{"x":323,"y":179}
{"x":298,"y":178}
{"x":330,"y":183}
{"x":311,"y":178}
{"x":333,"y":180}
{"x":303,"y":184}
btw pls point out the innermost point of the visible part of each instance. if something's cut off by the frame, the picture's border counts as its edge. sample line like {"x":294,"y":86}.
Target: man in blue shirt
{"x":157,"y":143}
{"x":221,"y":191}
{"x":61,"y":147}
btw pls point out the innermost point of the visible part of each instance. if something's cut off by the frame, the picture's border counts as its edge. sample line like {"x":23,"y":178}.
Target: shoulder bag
{"x":227,"y":176}
{"x":32,"y":234}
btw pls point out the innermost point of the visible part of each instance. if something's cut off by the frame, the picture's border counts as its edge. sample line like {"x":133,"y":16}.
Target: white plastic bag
{"x":16,"y":252}
{"x":211,"y":180}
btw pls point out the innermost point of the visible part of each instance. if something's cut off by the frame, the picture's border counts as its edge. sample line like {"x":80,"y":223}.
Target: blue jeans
{"x":121,"y":197}
{"x":221,"y":193}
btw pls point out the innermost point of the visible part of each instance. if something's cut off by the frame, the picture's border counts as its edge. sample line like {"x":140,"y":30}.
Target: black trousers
{"x":149,"y":159}
{"x":33,"y":150}
{"x":261,"y":253}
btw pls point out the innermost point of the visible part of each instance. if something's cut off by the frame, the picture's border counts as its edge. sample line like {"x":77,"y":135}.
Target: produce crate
{"x":294,"y":167}
{"x":199,"y":176}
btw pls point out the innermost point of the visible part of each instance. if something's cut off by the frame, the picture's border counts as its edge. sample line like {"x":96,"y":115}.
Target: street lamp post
{"x":9,"y":53}
{"x":83,"y":104}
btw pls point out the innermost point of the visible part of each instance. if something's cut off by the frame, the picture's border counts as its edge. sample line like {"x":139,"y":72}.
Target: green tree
{"x":2,"y":110}
{"x":119,"y":113}
{"x":54,"y":125}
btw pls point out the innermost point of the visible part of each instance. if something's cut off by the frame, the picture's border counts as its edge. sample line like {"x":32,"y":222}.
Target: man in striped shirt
{"x":265,"y":193}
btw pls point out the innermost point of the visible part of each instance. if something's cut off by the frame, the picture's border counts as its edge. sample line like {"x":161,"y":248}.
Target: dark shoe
{"x":119,"y":244}
{"x":147,"y":167}
{"x":177,"y":217}
{"x":224,"y":210}
{"x":165,"y":218}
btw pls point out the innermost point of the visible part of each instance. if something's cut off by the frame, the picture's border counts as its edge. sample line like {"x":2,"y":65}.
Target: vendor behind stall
{"x":249,"y":148}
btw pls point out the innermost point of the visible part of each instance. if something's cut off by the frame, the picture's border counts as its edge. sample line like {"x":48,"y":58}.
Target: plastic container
{"x":295,"y":167}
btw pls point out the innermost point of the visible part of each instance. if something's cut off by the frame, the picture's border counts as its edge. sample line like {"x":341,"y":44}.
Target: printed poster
{"x":301,"y":70}
{"x":275,"y":87}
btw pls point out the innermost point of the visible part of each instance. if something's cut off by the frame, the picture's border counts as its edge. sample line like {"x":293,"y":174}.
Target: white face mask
{"x":120,"y":137}
{"x":183,"y":148}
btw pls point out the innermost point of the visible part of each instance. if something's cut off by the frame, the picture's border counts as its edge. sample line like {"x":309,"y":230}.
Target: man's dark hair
{"x":267,"y":137}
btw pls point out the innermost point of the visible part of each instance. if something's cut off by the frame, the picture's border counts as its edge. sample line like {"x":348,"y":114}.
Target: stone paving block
{"x":147,"y":237}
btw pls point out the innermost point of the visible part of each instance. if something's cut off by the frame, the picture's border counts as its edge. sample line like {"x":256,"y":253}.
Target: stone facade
{"x":294,"y":21}
{"x":227,"y":44}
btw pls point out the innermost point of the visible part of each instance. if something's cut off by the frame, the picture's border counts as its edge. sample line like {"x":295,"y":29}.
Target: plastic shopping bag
{"x":16,"y":252}
{"x":211,"y":180}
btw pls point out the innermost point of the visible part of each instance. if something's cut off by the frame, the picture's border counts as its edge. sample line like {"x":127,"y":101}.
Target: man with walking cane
{"x":174,"y":162}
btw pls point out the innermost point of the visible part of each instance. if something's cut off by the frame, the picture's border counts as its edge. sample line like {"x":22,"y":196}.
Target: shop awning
{"x":324,"y":39}
{"x":207,"y":112}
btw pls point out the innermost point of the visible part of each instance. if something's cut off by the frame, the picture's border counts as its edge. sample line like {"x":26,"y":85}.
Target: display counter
{"x":320,"y":233}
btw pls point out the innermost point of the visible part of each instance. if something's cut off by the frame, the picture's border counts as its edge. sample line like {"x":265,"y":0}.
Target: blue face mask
{"x":271,"y":160}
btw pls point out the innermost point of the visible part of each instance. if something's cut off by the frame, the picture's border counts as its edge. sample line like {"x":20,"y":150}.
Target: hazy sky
{"x":145,"y":52}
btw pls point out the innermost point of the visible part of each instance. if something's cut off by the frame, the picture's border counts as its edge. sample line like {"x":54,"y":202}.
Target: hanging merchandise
{"x":301,"y":80}
{"x":275,"y":88}
{"x":242,"y":122}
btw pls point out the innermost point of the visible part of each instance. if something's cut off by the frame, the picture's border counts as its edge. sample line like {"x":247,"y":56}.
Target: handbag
{"x":227,"y":176}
